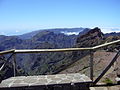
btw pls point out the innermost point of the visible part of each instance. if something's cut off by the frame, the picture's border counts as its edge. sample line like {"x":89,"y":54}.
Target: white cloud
{"x":109,"y":30}
{"x":2,"y":33}
{"x":70,"y":33}
{"x":17,"y":31}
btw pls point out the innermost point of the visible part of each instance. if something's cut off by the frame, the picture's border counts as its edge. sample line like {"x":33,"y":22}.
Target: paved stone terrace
{"x":44,"y":80}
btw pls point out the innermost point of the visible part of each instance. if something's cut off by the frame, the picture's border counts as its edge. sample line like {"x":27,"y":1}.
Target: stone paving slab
{"x":44,"y":80}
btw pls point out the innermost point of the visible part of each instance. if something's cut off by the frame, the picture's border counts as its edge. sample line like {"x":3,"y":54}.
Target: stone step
{"x":98,"y":88}
{"x":46,"y":80}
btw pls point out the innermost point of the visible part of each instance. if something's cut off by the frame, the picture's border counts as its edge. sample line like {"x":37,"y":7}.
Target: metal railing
{"x":91,"y":49}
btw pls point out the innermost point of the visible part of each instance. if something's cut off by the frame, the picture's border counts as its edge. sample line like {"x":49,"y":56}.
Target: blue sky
{"x":21,"y":16}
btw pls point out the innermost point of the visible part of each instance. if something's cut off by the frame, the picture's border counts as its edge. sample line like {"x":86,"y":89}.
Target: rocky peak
{"x":91,"y":38}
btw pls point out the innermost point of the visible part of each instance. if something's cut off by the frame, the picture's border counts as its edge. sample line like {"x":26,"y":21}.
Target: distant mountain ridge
{"x":112,"y":34}
{"x":56,"y":31}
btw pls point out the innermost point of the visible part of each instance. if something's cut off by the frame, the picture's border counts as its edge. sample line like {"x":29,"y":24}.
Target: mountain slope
{"x":40,"y":63}
{"x":59,"y":61}
{"x":102,"y":57}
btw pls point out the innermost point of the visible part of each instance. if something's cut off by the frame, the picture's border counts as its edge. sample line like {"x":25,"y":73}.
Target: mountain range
{"x":49,"y":63}
{"x":66,"y":31}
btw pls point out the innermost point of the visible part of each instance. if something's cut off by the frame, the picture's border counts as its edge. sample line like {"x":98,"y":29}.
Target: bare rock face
{"x":91,"y":38}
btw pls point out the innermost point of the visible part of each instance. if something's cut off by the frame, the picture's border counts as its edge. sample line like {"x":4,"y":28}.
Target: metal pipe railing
{"x":91,"y":49}
{"x":7,"y":51}
{"x":57,"y":50}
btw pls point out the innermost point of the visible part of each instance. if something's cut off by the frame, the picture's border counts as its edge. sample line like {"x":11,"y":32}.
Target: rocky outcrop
{"x":91,"y":38}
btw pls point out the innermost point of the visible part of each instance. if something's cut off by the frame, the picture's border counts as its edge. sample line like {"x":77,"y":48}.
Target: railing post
{"x":14,"y":64}
{"x":91,"y":64}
